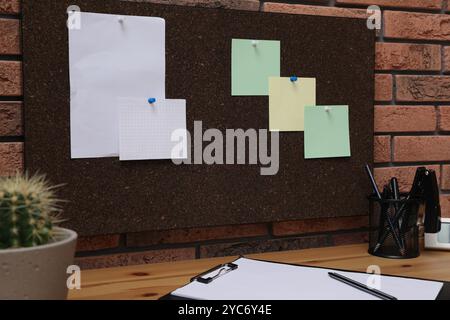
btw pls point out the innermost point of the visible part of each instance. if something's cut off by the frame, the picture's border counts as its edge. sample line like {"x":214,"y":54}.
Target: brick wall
{"x":412,"y":128}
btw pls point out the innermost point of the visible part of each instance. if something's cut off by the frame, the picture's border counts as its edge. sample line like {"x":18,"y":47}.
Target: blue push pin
{"x":294,"y":78}
{"x":151,"y":100}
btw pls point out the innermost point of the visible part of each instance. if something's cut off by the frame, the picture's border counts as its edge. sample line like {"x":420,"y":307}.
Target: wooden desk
{"x":155,"y":280}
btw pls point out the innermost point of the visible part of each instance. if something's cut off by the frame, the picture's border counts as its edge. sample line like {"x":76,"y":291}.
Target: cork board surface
{"x":109,"y":196}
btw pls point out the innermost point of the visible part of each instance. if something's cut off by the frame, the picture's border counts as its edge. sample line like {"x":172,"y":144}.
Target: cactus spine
{"x":28,"y":211}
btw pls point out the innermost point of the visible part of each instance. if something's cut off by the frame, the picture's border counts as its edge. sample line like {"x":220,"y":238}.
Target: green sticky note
{"x":287,"y":100}
{"x":252,"y":63}
{"x":327,"y":133}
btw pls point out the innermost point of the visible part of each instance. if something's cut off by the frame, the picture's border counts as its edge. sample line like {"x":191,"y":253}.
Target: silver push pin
{"x":120,"y":19}
{"x":327,"y":109}
{"x":254,"y":43}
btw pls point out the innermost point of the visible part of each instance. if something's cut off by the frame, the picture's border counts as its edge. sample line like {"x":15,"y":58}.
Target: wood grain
{"x":156,"y":280}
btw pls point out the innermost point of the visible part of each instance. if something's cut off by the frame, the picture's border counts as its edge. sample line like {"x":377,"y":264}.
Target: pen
{"x":396,"y":191}
{"x":372,"y":181}
{"x":381,"y":222}
{"x":394,"y":188}
{"x":360,"y":286}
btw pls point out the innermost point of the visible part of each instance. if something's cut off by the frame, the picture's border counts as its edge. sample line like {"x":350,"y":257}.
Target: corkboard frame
{"x":108,"y":196}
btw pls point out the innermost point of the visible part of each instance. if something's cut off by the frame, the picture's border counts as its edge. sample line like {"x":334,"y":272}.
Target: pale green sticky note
{"x":327,"y":133}
{"x":287,"y":100}
{"x":252,"y":63}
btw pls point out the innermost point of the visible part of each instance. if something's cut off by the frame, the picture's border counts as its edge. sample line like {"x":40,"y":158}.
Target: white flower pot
{"x":38,"y":272}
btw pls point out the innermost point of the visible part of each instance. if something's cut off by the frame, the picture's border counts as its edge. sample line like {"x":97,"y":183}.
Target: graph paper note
{"x":152,"y":131}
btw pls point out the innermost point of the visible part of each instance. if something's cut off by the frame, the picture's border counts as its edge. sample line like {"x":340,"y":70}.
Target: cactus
{"x":28,"y":211}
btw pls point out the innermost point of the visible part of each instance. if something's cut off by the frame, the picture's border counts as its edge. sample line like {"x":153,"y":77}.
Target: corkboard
{"x":109,"y":196}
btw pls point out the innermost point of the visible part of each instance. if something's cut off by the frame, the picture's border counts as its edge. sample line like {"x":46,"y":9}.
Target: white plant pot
{"x":38,"y":272}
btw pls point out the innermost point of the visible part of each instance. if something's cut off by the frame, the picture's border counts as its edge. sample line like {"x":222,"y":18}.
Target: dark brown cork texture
{"x":109,"y":196}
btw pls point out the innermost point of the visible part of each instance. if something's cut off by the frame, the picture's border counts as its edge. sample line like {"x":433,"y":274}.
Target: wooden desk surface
{"x":155,"y":280}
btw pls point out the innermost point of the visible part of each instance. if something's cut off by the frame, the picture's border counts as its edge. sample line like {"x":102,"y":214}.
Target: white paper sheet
{"x":261,"y":280}
{"x":152,"y":131}
{"x":111,"y":59}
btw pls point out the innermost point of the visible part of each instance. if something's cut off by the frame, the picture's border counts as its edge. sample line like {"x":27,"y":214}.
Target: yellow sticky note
{"x":287,"y":101}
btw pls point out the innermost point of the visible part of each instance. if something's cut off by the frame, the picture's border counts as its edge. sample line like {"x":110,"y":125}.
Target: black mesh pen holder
{"x":393,"y":229}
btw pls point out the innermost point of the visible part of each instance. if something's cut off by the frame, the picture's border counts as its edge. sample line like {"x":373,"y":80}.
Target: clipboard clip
{"x":214,"y":273}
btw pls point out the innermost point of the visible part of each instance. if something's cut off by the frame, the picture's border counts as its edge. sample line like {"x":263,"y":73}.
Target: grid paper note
{"x":145,"y":130}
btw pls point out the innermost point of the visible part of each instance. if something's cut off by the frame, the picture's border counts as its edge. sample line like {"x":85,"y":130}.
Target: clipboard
{"x":394,"y":281}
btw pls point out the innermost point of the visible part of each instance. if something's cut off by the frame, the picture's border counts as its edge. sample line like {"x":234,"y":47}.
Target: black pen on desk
{"x":361,"y":286}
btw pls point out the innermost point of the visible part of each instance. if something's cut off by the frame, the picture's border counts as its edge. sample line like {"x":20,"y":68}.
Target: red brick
{"x":11,"y":158}
{"x":382,"y":149}
{"x":446,"y":57}
{"x":315,"y":10}
{"x":227,"y":4}
{"x":319,"y":225}
{"x":248,"y":247}
{"x":409,"y":25}
{"x":307,"y":1}
{"x":195,"y":234}
{"x":445,"y":206}
{"x":344,"y":239}
{"x":135,"y":258}
{"x":445,"y":178}
{"x":10,"y":6}
{"x":423,"y":88}
{"x":10,"y":78}
{"x":9,"y":36}
{"x":405,"y":118}
{"x":444,"y":118}
{"x":419,"y":4}
{"x":98,"y":242}
{"x":400,"y":56}
{"x":10,"y":118}
{"x":404,"y":175}
{"x":422,"y":148}
{"x":383,"y":87}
